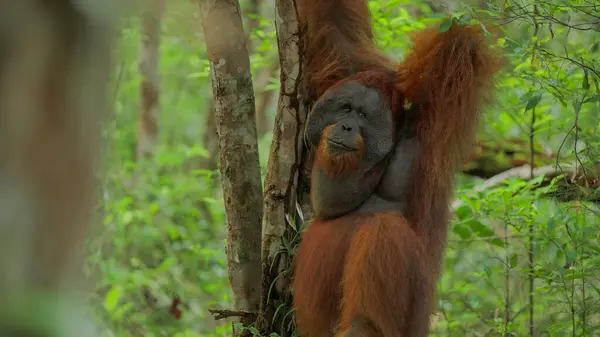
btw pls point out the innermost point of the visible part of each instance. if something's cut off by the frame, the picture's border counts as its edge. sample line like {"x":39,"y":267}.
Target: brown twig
{"x":226,"y":313}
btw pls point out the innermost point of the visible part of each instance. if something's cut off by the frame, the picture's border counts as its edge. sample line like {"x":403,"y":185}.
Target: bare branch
{"x":226,"y":313}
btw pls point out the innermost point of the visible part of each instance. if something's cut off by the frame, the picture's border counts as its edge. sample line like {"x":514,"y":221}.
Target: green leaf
{"x":487,"y":270}
{"x":497,"y":242}
{"x":112,"y":298}
{"x":462,"y":231}
{"x":488,"y":13}
{"x":533,"y":101}
{"x":577,"y":105}
{"x":514,"y":260}
{"x":526,"y":97}
{"x":574,"y":276}
{"x":127,"y":217}
{"x":485,"y":31}
{"x":464,"y":212}
{"x":198,"y":151}
{"x":458,"y":15}
{"x":166,"y":264}
{"x":560,"y":254}
{"x":586,"y":81}
{"x":480,"y":229}
{"x":537,"y":180}
{"x":445,"y":26}
{"x":571,"y":256}
{"x":374,"y":6}
{"x":595,"y":98}
{"x":464,"y":19}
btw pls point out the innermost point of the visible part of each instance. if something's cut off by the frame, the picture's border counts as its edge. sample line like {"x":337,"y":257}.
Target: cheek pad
{"x":316,"y":122}
{"x":312,"y":133}
{"x":383,"y":134}
{"x":378,"y":141}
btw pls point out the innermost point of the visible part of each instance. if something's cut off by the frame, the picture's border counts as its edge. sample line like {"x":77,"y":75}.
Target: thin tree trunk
{"x":52,"y":101}
{"x":284,"y":176}
{"x":253,"y":20}
{"x":238,"y":148}
{"x":149,"y":87}
{"x":264,"y":99}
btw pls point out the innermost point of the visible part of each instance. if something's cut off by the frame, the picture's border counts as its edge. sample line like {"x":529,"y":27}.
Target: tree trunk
{"x":253,"y":19}
{"x":210,"y":136}
{"x":284,"y":183}
{"x":238,"y":148}
{"x":149,"y":88}
{"x":264,"y":98}
{"x":54,"y":70}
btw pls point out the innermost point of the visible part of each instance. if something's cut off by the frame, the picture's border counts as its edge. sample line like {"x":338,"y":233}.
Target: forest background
{"x":160,"y":262}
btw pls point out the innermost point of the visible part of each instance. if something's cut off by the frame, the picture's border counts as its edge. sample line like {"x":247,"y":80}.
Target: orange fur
{"x":386,"y":254}
{"x":335,"y":163}
{"x":318,"y":271}
{"x":340,"y":42}
{"x":450,"y":75}
{"x":374,"y":275}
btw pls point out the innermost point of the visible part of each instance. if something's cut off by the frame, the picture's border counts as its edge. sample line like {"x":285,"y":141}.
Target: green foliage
{"x":163,"y":239}
{"x":164,"y":225}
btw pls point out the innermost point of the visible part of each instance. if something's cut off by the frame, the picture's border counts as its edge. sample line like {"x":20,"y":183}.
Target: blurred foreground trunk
{"x":236,"y":127}
{"x":149,"y":87}
{"x":54,"y":69}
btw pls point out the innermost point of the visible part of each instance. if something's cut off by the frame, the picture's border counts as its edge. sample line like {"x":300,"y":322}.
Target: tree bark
{"x":238,"y":148}
{"x":284,"y":183}
{"x":54,"y":70}
{"x":210,"y":136}
{"x":149,"y":87}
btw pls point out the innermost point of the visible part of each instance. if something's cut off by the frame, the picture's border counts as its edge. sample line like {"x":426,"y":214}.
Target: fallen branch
{"x":521,"y":172}
{"x":226,"y":313}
